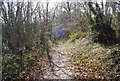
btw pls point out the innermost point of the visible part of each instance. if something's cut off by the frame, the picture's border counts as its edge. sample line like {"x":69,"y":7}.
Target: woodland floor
{"x":61,"y":67}
{"x":78,"y":60}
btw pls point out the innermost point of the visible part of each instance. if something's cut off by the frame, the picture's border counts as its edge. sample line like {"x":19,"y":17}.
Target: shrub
{"x":74,"y":36}
{"x":15,"y":67}
{"x":103,"y":33}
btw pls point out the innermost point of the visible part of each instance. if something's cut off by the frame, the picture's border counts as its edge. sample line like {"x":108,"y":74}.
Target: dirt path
{"x":60,"y":68}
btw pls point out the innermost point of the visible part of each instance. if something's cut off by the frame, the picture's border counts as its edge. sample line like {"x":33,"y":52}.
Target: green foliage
{"x":15,"y":67}
{"x":73,"y":36}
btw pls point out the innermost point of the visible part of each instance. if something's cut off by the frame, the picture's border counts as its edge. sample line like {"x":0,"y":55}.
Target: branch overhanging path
{"x":60,"y":64}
